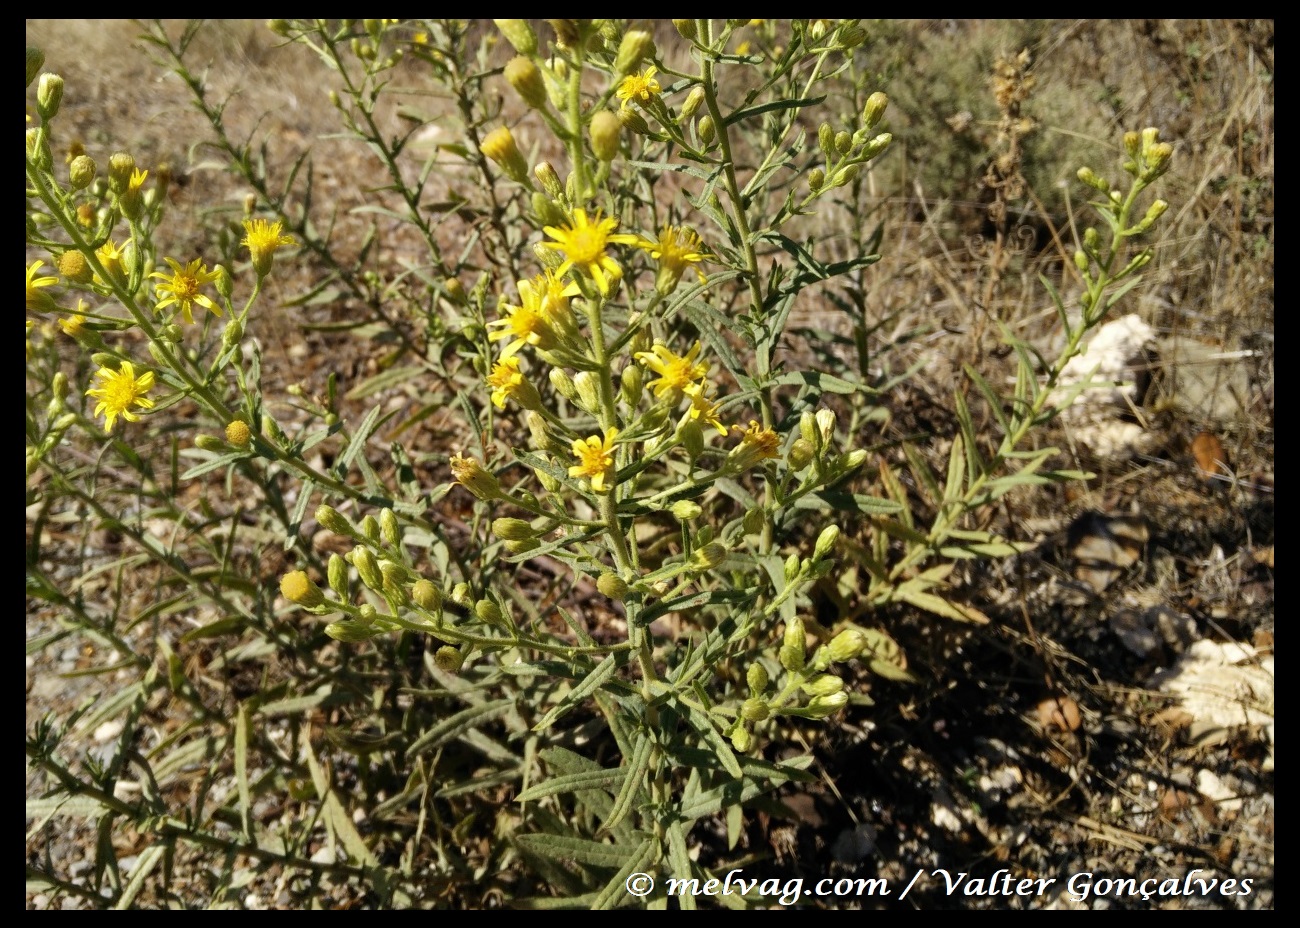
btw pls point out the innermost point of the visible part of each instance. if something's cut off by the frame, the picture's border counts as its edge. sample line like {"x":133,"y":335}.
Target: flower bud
{"x":333,"y":520}
{"x":1081,"y":260}
{"x":685,"y":28}
{"x":512,"y":529}
{"x":370,"y":529}
{"x":753,"y":521}
{"x":209,"y":443}
{"x":499,"y":146}
{"x":49,"y":95}
{"x":604,"y":133}
{"x":874,"y":110}
{"x":630,"y":382}
{"x":824,"y":684}
{"x":448,"y":659}
{"x":368,"y":568}
{"x":395,"y":577}
{"x":1091,"y":240}
{"x":489,"y":612}
{"x":692,"y":437}
{"x":816,"y":179}
{"x":820,"y":707}
{"x":791,"y":570}
{"x":73,"y":266}
{"x":612,"y":585}
{"x":1157,"y":160}
{"x":81,"y":172}
{"x":876,"y":146}
{"x":526,"y":78}
{"x":741,"y":739}
{"x":636,"y":46}
{"x":519,"y":34}
{"x":297,"y":587}
{"x":707,"y":131}
{"x":588,"y":390}
{"x":845,"y":175}
{"x":238,"y":434}
{"x":337,"y":572}
{"x":710,"y":556}
{"x":685,"y":510}
{"x":801,"y":454}
{"x":35,"y":61}
{"x":470,"y":474}
{"x":757,"y":678}
{"x":826,"y":140}
{"x":460,"y":594}
{"x":754,"y":709}
{"x":691,"y":105}
{"x":38,"y":148}
{"x":389,"y":530}
{"x":426,"y":595}
{"x":847,"y":645}
{"x":843,"y":142}
{"x":351,"y":631}
{"x":121,"y":166}
{"x":550,"y":181}
{"x":633,"y":121}
{"x":826,"y":541}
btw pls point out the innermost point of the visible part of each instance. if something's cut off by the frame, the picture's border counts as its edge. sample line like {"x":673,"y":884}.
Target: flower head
{"x":675,"y":373}
{"x":38,"y":301}
{"x":583,"y":243}
{"x":703,"y":409}
{"x":756,"y":444}
{"x":595,"y":459}
{"x":474,"y":477}
{"x":640,"y":88}
{"x":675,"y":251}
{"x":509,"y":383}
{"x":113,"y":259}
{"x":262,"y":238}
{"x":529,"y":323}
{"x":120,"y":390}
{"x":182,"y":287}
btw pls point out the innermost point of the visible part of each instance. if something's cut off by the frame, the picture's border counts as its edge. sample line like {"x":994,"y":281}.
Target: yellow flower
{"x":182,"y":287}
{"x":38,"y":301}
{"x":583,"y":243}
{"x":595,"y":458}
{"x":120,"y":390}
{"x":676,"y":250}
{"x":756,"y":444}
{"x":74,"y":326}
{"x":262,"y":238}
{"x":526,"y":324}
{"x":703,"y":409}
{"x":113,"y":259}
{"x":509,"y":383}
{"x":641,"y":88}
{"x":675,"y":373}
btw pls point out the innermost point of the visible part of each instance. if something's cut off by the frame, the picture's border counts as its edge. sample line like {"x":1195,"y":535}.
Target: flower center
{"x":586,"y":245}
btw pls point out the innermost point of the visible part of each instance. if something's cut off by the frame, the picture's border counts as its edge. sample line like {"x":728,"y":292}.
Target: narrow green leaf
{"x":774,"y":106}
{"x":627,"y":793}
{"x":241,"y":767}
{"x":454,"y":725}
{"x":679,"y":859}
{"x":572,"y":783}
{"x":577,"y":850}
{"x":593,"y":681}
{"x":615,"y":891}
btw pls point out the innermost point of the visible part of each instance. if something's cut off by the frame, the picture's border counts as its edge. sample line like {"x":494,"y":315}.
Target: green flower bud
{"x":1081,"y":260}
{"x":819,"y":707}
{"x":499,"y":147}
{"x":791,"y":568}
{"x":692,"y":437}
{"x":474,"y":477}
{"x":826,"y":140}
{"x":588,"y":390}
{"x":426,"y":595}
{"x":389,"y":530}
{"x":845,"y":175}
{"x":448,"y":659}
{"x":754,"y":710}
{"x":685,"y":28}
{"x":337,"y":571}
{"x":49,"y":95}
{"x":847,"y":645}
{"x":394,"y":578}
{"x":824,"y":684}
{"x":35,"y":61}
{"x":876,"y":146}
{"x":757,"y":678}
{"x":366,"y":615}
{"x":522,"y":546}
{"x":81,"y":173}
{"x":691,"y":105}
{"x":512,"y":529}
{"x":843,"y":142}
{"x":874,"y":110}
{"x":793,"y":638}
{"x":753,"y":521}
{"x":630,"y":382}
{"x":636,"y":46}
{"x":742,"y":740}
{"x":370,"y":529}
{"x":707,"y":131}
{"x":633,"y":121}
{"x":489,"y":612}
{"x":333,"y":520}
{"x":368,"y":568}
{"x":826,"y":541}
{"x":526,"y":78}
{"x":612,"y":585}
{"x":297,"y":587}
{"x":519,"y":34}
{"x":209,"y":443}
{"x":460,"y":594}
{"x":1091,"y":240}
{"x":685,"y":510}
{"x":120,"y":168}
{"x":801,"y":454}
{"x":710,"y":556}
{"x":1132,"y":144}
{"x":852,"y":36}
{"x":563,"y":384}
{"x":816,"y":179}
{"x":604,"y":131}
{"x":350,"y":631}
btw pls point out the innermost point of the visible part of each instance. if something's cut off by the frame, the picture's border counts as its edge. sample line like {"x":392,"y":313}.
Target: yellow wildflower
{"x":120,"y":390}
{"x":262,"y":238}
{"x":583,"y":243}
{"x":509,"y":383}
{"x":37,"y":300}
{"x":595,"y":459}
{"x":114,"y":260}
{"x":675,"y":251}
{"x":182,"y":287}
{"x":675,"y":373}
{"x":525,"y":324}
{"x":703,"y":409}
{"x":640,"y":88}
